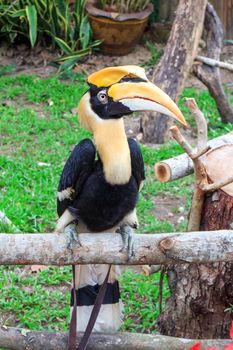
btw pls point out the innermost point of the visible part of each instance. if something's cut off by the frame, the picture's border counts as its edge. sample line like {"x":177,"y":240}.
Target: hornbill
{"x":99,"y":185}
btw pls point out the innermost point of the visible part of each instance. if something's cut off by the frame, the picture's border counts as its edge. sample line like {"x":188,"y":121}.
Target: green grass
{"x":37,"y":132}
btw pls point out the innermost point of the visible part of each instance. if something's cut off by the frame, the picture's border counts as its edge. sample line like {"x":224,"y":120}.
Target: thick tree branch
{"x":105,"y":248}
{"x":21,"y":339}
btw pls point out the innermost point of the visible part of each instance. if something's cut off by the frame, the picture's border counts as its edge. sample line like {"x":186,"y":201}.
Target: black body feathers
{"x":97,"y":203}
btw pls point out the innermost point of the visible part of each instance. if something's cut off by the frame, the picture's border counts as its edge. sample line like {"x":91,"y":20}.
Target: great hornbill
{"x":100,"y":181}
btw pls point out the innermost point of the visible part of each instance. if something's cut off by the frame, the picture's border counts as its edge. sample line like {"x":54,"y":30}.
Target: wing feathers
{"x":76,"y":170}
{"x":137,"y":163}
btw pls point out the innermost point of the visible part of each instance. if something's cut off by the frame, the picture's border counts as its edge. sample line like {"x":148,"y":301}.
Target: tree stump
{"x":202,"y":295}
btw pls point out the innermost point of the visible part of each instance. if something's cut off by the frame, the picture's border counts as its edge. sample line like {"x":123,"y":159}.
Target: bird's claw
{"x":72,"y":233}
{"x":127,"y":234}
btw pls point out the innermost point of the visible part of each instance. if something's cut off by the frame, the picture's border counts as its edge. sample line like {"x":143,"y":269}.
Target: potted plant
{"x":118,"y":24}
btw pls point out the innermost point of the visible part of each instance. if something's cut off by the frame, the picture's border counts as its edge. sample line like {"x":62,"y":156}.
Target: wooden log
{"x":105,"y":248}
{"x":21,"y":339}
{"x":215,"y":63}
{"x":182,"y":165}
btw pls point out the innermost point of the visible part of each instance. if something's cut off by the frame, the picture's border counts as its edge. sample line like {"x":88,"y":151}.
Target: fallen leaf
{"x":114,"y":14}
{"x":43,"y":164}
{"x":4,"y":327}
{"x":38,"y":268}
{"x":50,"y":102}
{"x":196,"y":346}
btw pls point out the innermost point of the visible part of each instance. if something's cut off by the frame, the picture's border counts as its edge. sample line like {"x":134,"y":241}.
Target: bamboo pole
{"x":106,"y":248}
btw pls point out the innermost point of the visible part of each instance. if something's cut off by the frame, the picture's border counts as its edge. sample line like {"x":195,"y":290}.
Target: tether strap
{"x":93,"y":317}
{"x":73,"y":322}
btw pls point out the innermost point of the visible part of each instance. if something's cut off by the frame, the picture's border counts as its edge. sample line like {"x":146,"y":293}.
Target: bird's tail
{"x":88,"y":280}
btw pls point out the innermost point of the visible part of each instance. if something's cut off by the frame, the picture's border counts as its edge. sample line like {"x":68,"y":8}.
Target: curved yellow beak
{"x":145,"y":96}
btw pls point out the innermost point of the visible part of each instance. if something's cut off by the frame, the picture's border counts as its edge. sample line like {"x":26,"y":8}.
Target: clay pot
{"x":119,"y":33}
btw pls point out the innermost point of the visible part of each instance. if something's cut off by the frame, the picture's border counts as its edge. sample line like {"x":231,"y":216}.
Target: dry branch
{"x":215,"y":63}
{"x":210,"y":75}
{"x":180,"y":166}
{"x":105,"y":248}
{"x":19,"y":339}
{"x":216,"y":185}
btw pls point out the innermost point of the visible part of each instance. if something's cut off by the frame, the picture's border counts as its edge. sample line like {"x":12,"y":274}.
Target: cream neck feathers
{"x":111,"y":143}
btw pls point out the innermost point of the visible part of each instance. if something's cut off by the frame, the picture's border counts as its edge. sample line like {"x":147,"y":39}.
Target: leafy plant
{"x":123,"y":6}
{"x":155,"y":53}
{"x":54,"y":22}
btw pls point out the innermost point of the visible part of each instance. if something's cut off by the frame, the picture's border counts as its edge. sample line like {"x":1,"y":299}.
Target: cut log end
{"x":162,"y":172}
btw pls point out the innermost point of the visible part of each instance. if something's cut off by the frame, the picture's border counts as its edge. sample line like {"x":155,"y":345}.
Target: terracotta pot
{"x":119,"y":33}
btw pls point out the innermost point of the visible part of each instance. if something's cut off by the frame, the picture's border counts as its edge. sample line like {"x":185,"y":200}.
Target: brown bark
{"x":22,"y":339}
{"x":106,"y":248}
{"x":210,"y":76}
{"x":200,"y":294}
{"x":175,"y":64}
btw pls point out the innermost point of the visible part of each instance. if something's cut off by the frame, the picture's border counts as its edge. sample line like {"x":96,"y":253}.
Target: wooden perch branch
{"x":210,"y":75}
{"x":176,"y":134}
{"x":199,"y":169}
{"x":180,"y":166}
{"x":105,"y":248}
{"x":201,"y":125}
{"x":216,"y":185}
{"x":21,"y":339}
{"x":215,"y":63}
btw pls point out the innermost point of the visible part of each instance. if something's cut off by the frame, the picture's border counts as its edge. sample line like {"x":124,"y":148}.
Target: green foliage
{"x":7,"y":69}
{"x":123,"y":6}
{"x":56,"y":22}
{"x":141,"y":306}
{"x":155,"y":53}
{"x":32,"y":21}
{"x":37,"y":301}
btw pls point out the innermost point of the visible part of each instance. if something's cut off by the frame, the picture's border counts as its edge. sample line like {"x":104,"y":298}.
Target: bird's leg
{"x":72,"y":233}
{"x":127,"y":234}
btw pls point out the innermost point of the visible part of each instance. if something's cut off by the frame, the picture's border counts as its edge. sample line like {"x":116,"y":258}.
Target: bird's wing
{"x":77,"y":169}
{"x":137,"y":163}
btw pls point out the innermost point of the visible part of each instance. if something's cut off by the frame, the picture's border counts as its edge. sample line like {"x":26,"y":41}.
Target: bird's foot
{"x":127,"y":234}
{"x":72,"y":233}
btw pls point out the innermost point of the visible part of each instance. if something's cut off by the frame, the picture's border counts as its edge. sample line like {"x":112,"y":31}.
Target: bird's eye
{"x":102,"y":97}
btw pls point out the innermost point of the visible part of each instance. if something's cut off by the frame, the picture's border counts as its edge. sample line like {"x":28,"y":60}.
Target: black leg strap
{"x":73,"y":322}
{"x":93,"y":317}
